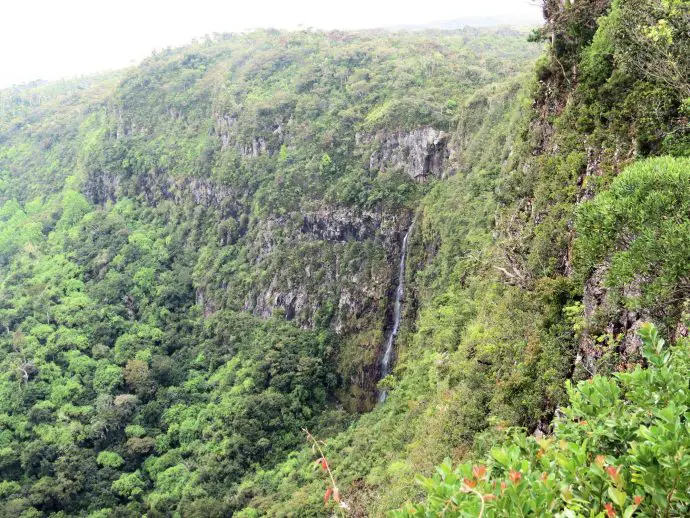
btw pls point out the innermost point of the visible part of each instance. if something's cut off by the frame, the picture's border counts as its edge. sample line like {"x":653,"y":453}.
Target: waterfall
{"x":387,"y":357}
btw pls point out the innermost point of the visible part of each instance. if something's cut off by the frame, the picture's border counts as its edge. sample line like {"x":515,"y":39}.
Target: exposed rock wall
{"x":420,"y":153}
{"x":341,"y":224}
{"x":608,"y":319}
{"x":343,"y":266}
{"x":266,"y":140}
{"x":101,"y":187}
{"x":325,"y":266}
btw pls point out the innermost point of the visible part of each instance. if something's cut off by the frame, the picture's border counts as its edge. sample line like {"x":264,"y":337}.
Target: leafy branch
{"x":332,"y":491}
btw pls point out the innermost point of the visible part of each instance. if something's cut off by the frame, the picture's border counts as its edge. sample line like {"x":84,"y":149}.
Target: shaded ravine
{"x":387,"y":358}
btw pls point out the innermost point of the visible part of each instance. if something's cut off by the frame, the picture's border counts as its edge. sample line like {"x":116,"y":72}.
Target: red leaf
{"x":609,"y":510}
{"x":638,"y":500}
{"x":614,"y":473}
{"x":327,"y":496}
{"x":479,"y":471}
{"x":324,"y":464}
{"x":515,"y":476}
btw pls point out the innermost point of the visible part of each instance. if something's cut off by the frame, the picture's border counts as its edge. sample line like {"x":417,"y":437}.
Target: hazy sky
{"x":51,"y":39}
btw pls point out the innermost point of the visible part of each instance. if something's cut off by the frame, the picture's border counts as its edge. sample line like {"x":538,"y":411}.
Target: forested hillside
{"x":199,"y":264}
{"x":198,"y":255}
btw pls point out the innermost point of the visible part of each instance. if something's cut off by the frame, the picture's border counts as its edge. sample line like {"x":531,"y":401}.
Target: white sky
{"x":52,"y":39}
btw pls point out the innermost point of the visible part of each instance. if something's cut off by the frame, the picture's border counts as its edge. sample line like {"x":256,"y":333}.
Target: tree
{"x":129,"y":485}
{"x":138,"y":377}
{"x":110,"y":459}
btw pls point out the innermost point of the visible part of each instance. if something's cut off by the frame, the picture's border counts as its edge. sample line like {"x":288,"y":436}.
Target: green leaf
{"x":501,"y":456}
{"x":617,"y":496}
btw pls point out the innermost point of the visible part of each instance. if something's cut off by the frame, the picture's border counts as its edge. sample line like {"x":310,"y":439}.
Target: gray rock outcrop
{"x":420,"y":153}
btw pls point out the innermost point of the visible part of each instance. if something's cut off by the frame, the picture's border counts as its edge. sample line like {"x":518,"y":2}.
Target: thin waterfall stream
{"x":387,"y":358}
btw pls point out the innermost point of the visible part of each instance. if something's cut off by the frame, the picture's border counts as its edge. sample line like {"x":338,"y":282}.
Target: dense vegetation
{"x":620,"y":448}
{"x":198,"y":257}
{"x":146,"y":215}
{"x":613,"y":88}
{"x":639,"y":225}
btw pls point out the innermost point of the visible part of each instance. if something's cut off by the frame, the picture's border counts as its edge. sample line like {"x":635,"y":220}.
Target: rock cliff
{"x":421,"y":153}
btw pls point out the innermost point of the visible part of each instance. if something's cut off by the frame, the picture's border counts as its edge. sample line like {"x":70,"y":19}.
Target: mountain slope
{"x":513,"y":305}
{"x":198,"y":255}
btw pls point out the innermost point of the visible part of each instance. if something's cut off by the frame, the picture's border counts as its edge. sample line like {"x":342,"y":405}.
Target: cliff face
{"x":421,"y":154}
{"x":154,"y":187}
{"x":597,"y":108}
{"x":337,"y":270}
{"x":345,"y":265}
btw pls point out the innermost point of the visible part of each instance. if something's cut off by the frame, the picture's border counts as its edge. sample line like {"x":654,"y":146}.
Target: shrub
{"x":621,"y":448}
{"x":640,"y":225}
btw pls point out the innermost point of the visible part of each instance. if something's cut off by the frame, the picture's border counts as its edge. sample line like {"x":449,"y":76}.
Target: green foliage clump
{"x":110,"y":459}
{"x":639,"y":228}
{"x":620,"y":448}
{"x":129,"y":485}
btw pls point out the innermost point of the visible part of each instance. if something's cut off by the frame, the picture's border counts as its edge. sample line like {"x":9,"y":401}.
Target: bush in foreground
{"x":619,"y":449}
